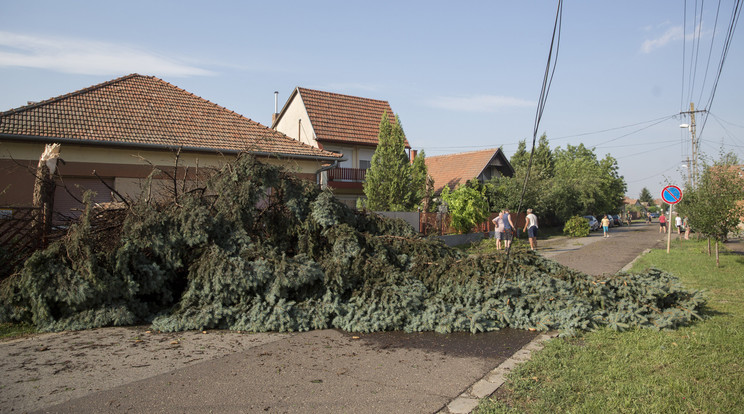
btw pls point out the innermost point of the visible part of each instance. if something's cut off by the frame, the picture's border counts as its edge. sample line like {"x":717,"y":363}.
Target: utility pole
{"x":691,"y":112}
{"x":694,"y":143}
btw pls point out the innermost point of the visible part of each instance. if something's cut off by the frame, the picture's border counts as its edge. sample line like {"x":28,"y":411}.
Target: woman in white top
{"x":531,"y":228}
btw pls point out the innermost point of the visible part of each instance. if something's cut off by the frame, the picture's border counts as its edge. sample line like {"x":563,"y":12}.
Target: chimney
{"x":275,"y":115}
{"x":413,"y":154}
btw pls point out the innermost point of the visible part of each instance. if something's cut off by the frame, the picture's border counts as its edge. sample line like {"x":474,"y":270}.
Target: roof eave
{"x":115,"y":144}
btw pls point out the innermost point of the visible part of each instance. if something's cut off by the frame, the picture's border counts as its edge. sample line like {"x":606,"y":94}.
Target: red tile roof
{"x":138,"y":110}
{"x":455,"y":169}
{"x":344,"y":118}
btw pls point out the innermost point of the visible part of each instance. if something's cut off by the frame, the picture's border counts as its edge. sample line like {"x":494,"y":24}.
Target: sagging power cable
{"x":547,"y":82}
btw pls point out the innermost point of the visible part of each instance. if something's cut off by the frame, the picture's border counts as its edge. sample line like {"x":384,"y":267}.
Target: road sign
{"x":671,"y":194}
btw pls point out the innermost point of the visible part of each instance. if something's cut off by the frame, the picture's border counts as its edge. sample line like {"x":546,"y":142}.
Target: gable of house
{"x":456,"y":169}
{"x":332,"y":118}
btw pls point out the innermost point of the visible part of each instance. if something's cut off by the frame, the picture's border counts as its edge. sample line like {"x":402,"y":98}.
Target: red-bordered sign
{"x":671,"y":194}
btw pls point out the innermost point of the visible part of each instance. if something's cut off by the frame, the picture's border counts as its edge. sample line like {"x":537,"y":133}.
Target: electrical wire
{"x":684,"y":49}
{"x":710,"y":51}
{"x":637,"y":130}
{"x":727,"y":44}
{"x":652,"y":176}
{"x":696,"y":47}
{"x":547,"y":82}
{"x":613,"y":129}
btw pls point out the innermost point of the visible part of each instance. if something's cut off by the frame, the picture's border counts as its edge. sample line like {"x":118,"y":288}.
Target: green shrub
{"x":576,"y":226}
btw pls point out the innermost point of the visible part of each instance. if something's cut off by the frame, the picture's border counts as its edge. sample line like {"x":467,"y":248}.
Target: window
{"x":365,"y":164}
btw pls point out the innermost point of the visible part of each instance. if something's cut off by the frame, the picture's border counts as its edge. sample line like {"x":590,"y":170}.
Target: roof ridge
{"x":463,"y":153}
{"x":342,"y":94}
{"x":71,"y":94}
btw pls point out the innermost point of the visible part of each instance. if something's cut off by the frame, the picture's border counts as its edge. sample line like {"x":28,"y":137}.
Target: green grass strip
{"x":696,"y":369}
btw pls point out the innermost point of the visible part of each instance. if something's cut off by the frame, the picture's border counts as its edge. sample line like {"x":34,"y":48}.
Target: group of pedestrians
{"x":504,"y":229}
{"x":682,"y":225}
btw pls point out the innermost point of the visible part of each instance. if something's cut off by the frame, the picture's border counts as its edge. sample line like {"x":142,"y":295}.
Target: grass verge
{"x":15,"y":330}
{"x":699,"y":368}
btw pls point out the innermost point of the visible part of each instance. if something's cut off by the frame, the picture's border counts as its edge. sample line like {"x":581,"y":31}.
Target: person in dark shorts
{"x":530,"y":226}
{"x":662,"y":223}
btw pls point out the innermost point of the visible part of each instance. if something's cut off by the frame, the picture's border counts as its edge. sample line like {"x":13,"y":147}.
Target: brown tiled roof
{"x":138,"y":110}
{"x":344,"y":118}
{"x":455,"y":169}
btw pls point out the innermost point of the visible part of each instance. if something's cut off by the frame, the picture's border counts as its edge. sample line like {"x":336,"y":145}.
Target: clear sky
{"x":462,"y":76}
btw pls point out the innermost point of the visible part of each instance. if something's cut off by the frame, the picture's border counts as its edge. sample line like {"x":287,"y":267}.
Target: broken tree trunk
{"x":44,"y":186}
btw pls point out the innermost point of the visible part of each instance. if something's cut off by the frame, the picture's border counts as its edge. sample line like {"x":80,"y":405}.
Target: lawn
{"x":699,"y":368}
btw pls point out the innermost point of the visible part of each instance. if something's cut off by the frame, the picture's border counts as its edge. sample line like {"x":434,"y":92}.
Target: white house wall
{"x":295,"y":123}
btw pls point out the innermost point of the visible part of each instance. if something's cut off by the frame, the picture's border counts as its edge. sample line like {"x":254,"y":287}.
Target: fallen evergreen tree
{"x":259,"y":250}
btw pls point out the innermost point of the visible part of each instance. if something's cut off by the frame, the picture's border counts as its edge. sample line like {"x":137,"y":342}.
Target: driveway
{"x":135,"y":370}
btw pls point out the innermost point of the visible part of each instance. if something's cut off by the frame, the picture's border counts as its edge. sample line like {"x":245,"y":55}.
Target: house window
{"x":365,"y":164}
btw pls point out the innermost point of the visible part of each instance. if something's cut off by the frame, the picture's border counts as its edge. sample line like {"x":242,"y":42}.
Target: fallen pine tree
{"x":259,"y":250}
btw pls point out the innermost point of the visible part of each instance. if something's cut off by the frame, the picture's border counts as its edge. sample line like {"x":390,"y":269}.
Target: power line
{"x":727,"y":44}
{"x":638,"y":130}
{"x":613,"y":129}
{"x":710,"y":51}
{"x":547,"y":82}
{"x":652,"y":176}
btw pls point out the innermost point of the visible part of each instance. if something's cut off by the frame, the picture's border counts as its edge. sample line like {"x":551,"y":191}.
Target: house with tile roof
{"x":344,"y":124}
{"x":456,"y":169}
{"x":120,"y":129}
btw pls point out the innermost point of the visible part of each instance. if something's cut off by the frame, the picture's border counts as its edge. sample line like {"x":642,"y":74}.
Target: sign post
{"x":671,"y":195}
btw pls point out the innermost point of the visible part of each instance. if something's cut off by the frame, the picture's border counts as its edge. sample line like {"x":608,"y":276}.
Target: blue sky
{"x":462,"y":76}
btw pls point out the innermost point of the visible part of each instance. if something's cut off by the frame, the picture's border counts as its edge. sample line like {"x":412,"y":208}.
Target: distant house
{"x":121,"y":128}
{"x":345,"y":124}
{"x":457,"y":169}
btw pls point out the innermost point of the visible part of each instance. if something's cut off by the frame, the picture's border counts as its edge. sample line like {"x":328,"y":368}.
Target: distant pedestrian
{"x":606,"y":226}
{"x":678,"y":223}
{"x":530,"y":226}
{"x":662,"y":223}
{"x":498,"y":233}
{"x":508,"y":228}
{"x":686,"y":224}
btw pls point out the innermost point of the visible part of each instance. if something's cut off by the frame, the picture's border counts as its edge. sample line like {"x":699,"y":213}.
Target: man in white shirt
{"x":678,"y":223}
{"x":531,"y":228}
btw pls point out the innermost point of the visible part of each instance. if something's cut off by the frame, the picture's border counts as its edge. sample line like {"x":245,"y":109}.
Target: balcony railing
{"x":355,"y":175}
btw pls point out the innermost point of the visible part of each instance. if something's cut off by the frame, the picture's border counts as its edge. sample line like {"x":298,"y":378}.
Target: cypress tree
{"x":388,"y":181}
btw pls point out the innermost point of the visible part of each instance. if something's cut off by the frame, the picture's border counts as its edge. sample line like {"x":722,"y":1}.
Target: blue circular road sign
{"x":671,"y":194}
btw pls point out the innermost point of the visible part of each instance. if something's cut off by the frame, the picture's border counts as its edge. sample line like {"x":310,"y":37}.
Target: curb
{"x":629,"y":265}
{"x":466,"y":402}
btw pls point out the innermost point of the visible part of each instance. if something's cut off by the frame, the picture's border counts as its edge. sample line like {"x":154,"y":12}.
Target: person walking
{"x":498,"y":233}
{"x":678,"y":223}
{"x":686,"y":224}
{"x":662,"y":223}
{"x":508,"y":228}
{"x":530,"y":226}
{"x":606,"y":226}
